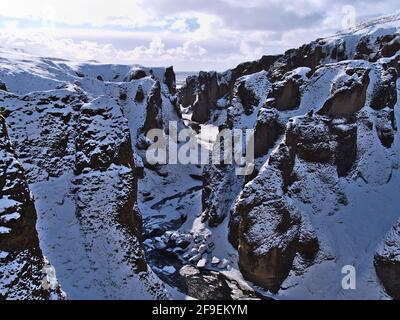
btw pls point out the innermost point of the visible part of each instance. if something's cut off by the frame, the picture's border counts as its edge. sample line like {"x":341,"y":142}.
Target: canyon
{"x":85,"y":215}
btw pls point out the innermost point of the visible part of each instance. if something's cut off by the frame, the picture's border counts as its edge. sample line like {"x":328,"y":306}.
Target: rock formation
{"x":387,"y":262}
{"x":25,"y":272}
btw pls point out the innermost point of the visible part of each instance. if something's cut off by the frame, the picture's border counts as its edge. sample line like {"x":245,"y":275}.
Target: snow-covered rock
{"x":75,"y":128}
{"x":387,"y":261}
{"x":326,"y":170}
{"x":24,"y":269}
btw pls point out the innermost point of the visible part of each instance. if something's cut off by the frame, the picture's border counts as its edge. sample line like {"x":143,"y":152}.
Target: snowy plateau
{"x":83,"y":215}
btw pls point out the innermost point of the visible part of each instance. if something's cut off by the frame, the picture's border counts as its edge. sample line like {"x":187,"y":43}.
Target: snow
{"x":4,"y":230}
{"x":7,"y":204}
{"x":202,"y":263}
{"x":10,"y":217}
{"x":3,"y":255}
{"x":169,"y":270}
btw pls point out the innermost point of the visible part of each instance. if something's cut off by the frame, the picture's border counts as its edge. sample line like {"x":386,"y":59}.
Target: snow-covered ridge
{"x":75,"y":127}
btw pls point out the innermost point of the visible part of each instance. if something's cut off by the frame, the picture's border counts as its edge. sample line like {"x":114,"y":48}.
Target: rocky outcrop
{"x":25,"y":273}
{"x":170,"y":80}
{"x":389,"y":46}
{"x":267,"y":131}
{"x":247,"y":97}
{"x":103,"y":137}
{"x":3,"y":86}
{"x":219,"y":181}
{"x":387,"y":262}
{"x":139,"y":97}
{"x":18,"y":213}
{"x":135,"y":74}
{"x":364,"y":50}
{"x":373,"y":49}
{"x":154,"y":105}
{"x":248,"y":68}
{"x":203,"y":91}
{"x":211,"y":285}
{"x":348,"y":94}
{"x":385,"y":91}
{"x":276,"y":215}
{"x":285,"y":95}
{"x":323,"y":140}
{"x":272,"y":232}
{"x":339,"y":52}
{"x":310,"y":56}
{"x":386,"y":127}
{"x":201,"y":109}
{"x":86,"y":147}
{"x":272,"y":235}
{"x":103,"y":140}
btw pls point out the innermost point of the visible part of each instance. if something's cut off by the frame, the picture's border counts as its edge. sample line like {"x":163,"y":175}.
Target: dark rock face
{"x":309,"y":56}
{"x":170,"y":80}
{"x":207,"y":94}
{"x":123,"y":96}
{"x":203,"y":91}
{"x":22,"y":263}
{"x":201,"y":109}
{"x":386,"y":127}
{"x":271,"y":231}
{"x":211,"y":285}
{"x":247,"y":98}
{"x":338,"y":52}
{"x":22,"y":231}
{"x":346,"y":148}
{"x":387,"y":263}
{"x":348,"y":97}
{"x":248,"y":68}
{"x":154,"y":104}
{"x":364,"y":50}
{"x":218,"y":182}
{"x":322,"y":140}
{"x":96,"y":120}
{"x":384,"y":47}
{"x":385,"y":91}
{"x":139,"y":97}
{"x":3,"y":86}
{"x":136,"y":75}
{"x":267,"y":131}
{"x":285,"y":95}
{"x":389,"y":49}
{"x":188,"y":91}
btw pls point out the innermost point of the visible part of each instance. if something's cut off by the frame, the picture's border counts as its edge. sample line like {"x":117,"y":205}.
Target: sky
{"x":191,"y":35}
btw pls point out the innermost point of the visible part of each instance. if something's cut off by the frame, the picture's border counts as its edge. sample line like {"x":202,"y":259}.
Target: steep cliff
{"x":25,"y":272}
{"x":76,"y":130}
{"x":325,"y":119}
